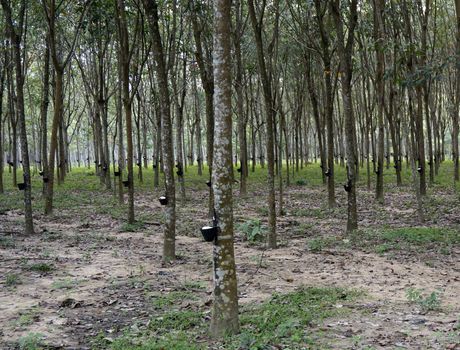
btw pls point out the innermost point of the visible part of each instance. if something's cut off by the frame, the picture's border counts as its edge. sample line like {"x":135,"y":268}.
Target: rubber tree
{"x":60,"y":62}
{"x":345,"y":52}
{"x":457,"y":97}
{"x":169,"y":247}
{"x":203,"y":52}
{"x":124,"y":55}
{"x":237,"y":36}
{"x":2,"y":89}
{"x":379,"y":9}
{"x":225,"y":307}
{"x":16,"y":30}
{"x":257,"y":26}
{"x":326,"y":56}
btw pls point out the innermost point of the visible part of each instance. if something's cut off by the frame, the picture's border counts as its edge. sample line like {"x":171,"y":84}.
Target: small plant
{"x":87,"y":256}
{"x":167,"y":301}
{"x":31,"y":341}
{"x":136,"y":226}
{"x":414,"y":295}
{"x":252,"y":230}
{"x":301,"y":182}
{"x":7,"y":242}
{"x":41,"y":267}
{"x":27,"y":317}
{"x":177,"y":320}
{"x":382,"y":248}
{"x":427,"y":303}
{"x":51,"y":236}
{"x":262,"y":211}
{"x":318,"y":244}
{"x":12,"y":279}
{"x":283,"y":319}
{"x":318,"y":213}
{"x":66,"y":283}
{"x":198,"y":285}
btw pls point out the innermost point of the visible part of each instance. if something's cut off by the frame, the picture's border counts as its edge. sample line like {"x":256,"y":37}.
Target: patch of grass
{"x":27,"y":317}
{"x":40,"y":267}
{"x":383,"y":248}
{"x":318,"y":213}
{"x":262,"y":211}
{"x":427,"y":302}
{"x":194,"y":285}
{"x":422,"y":235}
{"x":12,"y":279}
{"x":176,"y":320}
{"x":136,"y":226}
{"x":408,"y":239}
{"x":301,"y":182}
{"x":6,"y":242}
{"x":176,"y":341}
{"x":170,"y":299}
{"x":252,"y":230}
{"x":285,"y":321}
{"x":31,"y":341}
{"x":318,"y":244}
{"x":51,"y":236}
{"x":65,"y":283}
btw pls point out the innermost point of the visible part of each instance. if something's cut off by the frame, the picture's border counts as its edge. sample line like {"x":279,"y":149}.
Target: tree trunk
{"x":455,"y":122}
{"x":329,"y":109}
{"x":379,"y":36}
{"x":44,"y":114}
{"x":207,"y":81}
{"x":2,"y":138}
{"x":16,"y":38}
{"x":127,"y":104}
{"x":270,"y":116}
{"x":239,"y":98}
{"x":151,"y":10}
{"x":345,"y":51}
{"x":225,"y":307}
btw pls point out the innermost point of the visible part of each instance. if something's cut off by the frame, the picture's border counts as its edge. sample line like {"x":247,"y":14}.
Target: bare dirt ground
{"x":103,"y":279}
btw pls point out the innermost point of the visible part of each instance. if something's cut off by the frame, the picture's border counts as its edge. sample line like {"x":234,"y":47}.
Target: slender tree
{"x":225,"y":306}
{"x":125,"y":58}
{"x":345,"y":52}
{"x":379,"y":9}
{"x":17,"y":30}
{"x":169,"y":247}
{"x":455,"y":122}
{"x":257,"y":26}
{"x":60,"y":62}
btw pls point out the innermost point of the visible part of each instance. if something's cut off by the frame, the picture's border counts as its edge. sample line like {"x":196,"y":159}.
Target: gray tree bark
{"x":225,"y":308}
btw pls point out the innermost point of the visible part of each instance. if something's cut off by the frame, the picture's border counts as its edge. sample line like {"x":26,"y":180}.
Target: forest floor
{"x":88,"y":280}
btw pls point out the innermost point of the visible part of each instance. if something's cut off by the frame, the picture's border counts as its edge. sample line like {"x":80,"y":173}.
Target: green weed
{"x":6,"y":242}
{"x":136,"y":226}
{"x":40,"y":267}
{"x":252,"y":230}
{"x":301,"y":182}
{"x":27,"y":317}
{"x":66,"y":283}
{"x":30,"y":341}
{"x":318,"y":244}
{"x":286,"y":321}
{"x":415,"y":239}
{"x":163,"y":301}
{"x":430,"y":302}
{"x":12,"y":279}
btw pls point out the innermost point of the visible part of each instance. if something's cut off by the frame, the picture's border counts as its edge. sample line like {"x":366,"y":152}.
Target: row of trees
{"x":125,"y":84}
